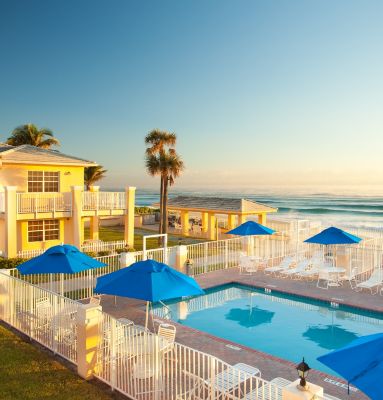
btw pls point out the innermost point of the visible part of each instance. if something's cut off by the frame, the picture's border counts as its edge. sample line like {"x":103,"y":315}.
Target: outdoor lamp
{"x":189,"y":265}
{"x":303,"y":370}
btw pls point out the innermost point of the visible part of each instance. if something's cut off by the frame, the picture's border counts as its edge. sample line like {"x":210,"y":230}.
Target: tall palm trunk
{"x":165,"y":206}
{"x":161,"y":205}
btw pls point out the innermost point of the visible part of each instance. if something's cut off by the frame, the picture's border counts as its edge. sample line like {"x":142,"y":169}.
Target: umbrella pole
{"x":147,"y":315}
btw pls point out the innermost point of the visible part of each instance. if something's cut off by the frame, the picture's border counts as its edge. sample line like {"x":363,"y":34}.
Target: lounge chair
{"x":373,"y":282}
{"x":300,"y":267}
{"x":284,"y":265}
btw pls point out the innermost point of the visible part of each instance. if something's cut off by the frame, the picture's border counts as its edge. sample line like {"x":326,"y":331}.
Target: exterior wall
{"x":2,"y":237}
{"x":24,"y":245}
{"x":17,"y":175}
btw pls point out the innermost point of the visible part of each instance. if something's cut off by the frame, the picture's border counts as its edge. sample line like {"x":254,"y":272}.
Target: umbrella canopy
{"x":251,"y":228}
{"x":64,"y":259}
{"x":148,"y":280}
{"x":333,"y":236}
{"x":361,"y":363}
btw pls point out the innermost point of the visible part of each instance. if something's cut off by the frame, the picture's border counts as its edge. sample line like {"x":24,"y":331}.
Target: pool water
{"x":285,"y":326}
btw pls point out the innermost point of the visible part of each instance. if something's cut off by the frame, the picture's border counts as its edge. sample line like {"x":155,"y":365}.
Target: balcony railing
{"x":43,"y":202}
{"x":93,"y":201}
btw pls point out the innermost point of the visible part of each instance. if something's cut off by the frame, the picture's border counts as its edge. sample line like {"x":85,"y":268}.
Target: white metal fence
{"x":93,"y":247}
{"x":44,"y":316}
{"x":43,"y":202}
{"x":99,"y":245}
{"x":93,"y":201}
{"x":145,"y":366}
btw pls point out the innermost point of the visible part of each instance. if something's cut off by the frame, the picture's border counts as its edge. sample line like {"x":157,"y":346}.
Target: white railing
{"x":211,"y":256}
{"x":93,"y":201}
{"x":44,"y":316}
{"x":98,"y":246}
{"x":143,"y":366}
{"x":94,"y":247}
{"x":43,"y":202}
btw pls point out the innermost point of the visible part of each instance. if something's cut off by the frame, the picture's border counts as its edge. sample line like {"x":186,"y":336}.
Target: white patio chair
{"x":372,"y":283}
{"x":247,"y":266}
{"x":167,"y":332}
{"x":95,"y":300}
{"x":350,"y":277}
{"x":300,"y":267}
{"x":284,"y":265}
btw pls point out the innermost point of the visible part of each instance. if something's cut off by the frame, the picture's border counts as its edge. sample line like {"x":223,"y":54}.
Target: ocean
{"x":331,"y":209}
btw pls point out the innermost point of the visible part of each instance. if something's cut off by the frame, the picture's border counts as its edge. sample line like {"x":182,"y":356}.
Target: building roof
{"x":27,"y":154}
{"x":218,"y":204}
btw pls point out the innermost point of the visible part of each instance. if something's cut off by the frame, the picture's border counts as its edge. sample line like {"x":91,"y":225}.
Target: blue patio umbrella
{"x":360,"y":363}
{"x":251,"y":228}
{"x":62,"y":259}
{"x":333,"y":235}
{"x":148,"y":280}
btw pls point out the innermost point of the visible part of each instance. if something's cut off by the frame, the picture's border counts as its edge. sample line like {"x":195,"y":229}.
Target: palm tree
{"x":162,"y":159}
{"x":30,"y":134}
{"x":93,"y":175}
{"x":157,"y":141}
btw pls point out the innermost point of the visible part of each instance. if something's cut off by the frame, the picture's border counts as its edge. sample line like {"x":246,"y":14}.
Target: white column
{"x":10,"y":221}
{"x":76,"y":215}
{"x":130,"y":193}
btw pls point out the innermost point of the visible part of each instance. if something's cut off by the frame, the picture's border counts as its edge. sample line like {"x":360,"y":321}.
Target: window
{"x":40,"y":231}
{"x":43,"y":181}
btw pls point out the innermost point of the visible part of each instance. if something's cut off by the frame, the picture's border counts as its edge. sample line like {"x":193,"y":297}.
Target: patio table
{"x":333,"y":273}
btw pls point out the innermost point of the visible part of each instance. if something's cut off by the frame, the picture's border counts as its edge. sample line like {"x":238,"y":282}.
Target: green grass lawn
{"x":113,"y":233}
{"x":27,"y":373}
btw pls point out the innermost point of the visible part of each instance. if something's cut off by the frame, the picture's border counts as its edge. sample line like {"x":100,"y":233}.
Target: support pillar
{"x":241,"y":219}
{"x":130,"y":194}
{"x":230,"y":221}
{"x":6,"y":299}
{"x":205,"y":221}
{"x":185,"y":223}
{"x":88,"y":339}
{"x":181,"y":257}
{"x":262,"y":219}
{"x":10,"y":221}
{"x":292,"y":392}
{"x":78,"y":228}
{"x":212,"y":232}
{"x":94,"y":220}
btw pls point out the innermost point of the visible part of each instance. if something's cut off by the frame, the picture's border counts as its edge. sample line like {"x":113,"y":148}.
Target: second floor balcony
{"x":63,"y":204}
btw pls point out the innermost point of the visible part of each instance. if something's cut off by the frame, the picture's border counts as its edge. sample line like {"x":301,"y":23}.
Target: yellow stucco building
{"x":43,"y":202}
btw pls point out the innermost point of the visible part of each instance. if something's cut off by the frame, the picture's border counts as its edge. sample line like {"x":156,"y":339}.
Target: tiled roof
{"x":27,"y":154}
{"x":218,"y":204}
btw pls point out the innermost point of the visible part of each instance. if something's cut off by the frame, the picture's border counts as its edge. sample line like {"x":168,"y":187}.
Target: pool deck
{"x":270,"y":366}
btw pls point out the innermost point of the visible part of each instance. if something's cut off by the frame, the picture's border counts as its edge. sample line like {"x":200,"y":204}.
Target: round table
{"x":333,"y":272}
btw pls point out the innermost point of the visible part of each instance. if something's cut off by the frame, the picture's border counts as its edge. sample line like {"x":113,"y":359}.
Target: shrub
{"x":9,"y":263}
{"x":103,"y":253}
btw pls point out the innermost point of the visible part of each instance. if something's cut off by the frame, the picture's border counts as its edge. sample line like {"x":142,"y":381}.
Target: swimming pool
{"x":285,"y":326}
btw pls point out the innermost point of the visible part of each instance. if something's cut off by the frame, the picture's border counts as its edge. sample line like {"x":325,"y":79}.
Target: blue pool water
{"x":285,"y":326}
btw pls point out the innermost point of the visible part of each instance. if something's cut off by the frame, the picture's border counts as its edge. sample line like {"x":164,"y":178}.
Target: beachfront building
{"x":235,"y":211}
{"x":43,"y":202}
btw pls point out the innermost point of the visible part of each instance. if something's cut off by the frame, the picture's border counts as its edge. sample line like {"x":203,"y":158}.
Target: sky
{"x":271,"y":93}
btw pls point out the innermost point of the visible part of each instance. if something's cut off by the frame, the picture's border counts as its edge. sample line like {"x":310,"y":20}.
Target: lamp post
{"x":303,"y":370}
{"x":189,"y":266}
